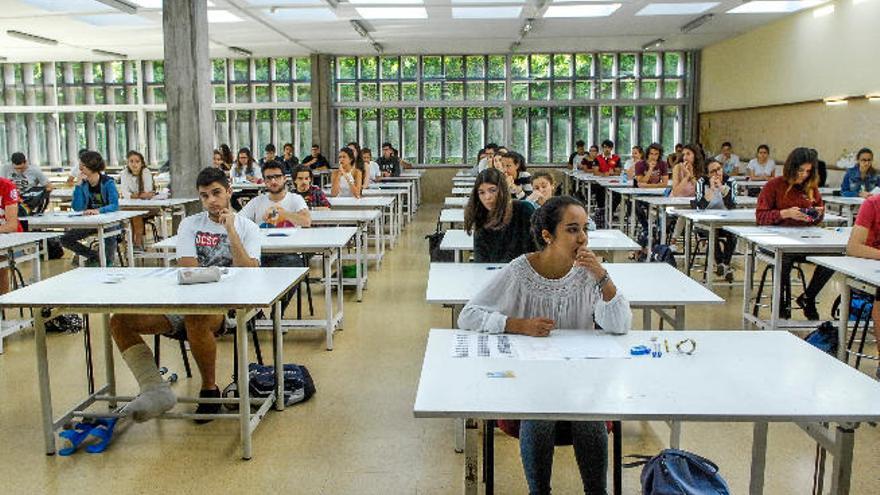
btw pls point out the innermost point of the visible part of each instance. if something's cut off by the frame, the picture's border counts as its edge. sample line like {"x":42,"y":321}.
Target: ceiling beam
{"x":247,"y":12}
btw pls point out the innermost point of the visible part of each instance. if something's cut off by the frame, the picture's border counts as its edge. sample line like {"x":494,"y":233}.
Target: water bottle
{"x":624,"y":177}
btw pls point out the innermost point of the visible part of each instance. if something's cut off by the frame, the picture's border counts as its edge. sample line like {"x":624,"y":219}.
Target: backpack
{"x":660,"y":253}
{"x":67,"y":323}
{"x":824,"y":338}
{"x":678,"y":472}
{"x":434,"y":252}
{"x":298,"y":384}
{"x":33,"y":201}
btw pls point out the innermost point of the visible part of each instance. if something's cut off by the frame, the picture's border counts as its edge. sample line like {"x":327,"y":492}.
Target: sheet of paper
{"x":563,"y":344}
{"x":470,"y":344}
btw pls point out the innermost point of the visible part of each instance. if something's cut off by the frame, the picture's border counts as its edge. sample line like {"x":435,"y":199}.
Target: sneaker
{"x":728,"y":274}
{"x":809,"y":307}
{"x":208,"y":408}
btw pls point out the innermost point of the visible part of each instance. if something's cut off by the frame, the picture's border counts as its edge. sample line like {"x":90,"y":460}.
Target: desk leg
{"x":710,"y":258}
{"x":457,"y":254}
{"x":759,"y":459}
{"x":679,"y":318}
{"x":102,"y":251}
{"x":470,"y":457}
{"x":776,"y":301}
{"x":43,"y":376}
{"x":244,"y":394}
{"x":663,"y":224}
{"x":748,"y":275}
{"x":675,"y":434}
{"x":328,"y":297}
{"x":278,"y":346}
{"x":36,"y":273}
{"x":341,"y":291}
{"x":843,"y":322}
{"x":129,"y":242}
{"x":650,"y":239}
{"x":109,"y":367}
{"x":632,"y":214}
{"x":646,"y":318}
{"x":359,"y":267}
{"x":841,"y":466}
{"x":489,"y":456}
{"x":688,"y":232}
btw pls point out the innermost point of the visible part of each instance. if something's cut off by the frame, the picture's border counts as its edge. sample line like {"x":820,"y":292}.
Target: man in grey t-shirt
{"x":24,"y":176}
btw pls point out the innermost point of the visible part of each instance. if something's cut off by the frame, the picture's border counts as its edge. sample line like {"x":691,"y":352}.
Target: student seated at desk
{"x":637,"y":154}
{"x":316,"y":160}
{"x":729,"y":159}
{"x":762,"y":167}
{"x":219,"y":162}
{"x":544,"y":186}
{"x":9,"y":199}
{"x":345,"y":182}
{"x":73,"y":176}
{"x":651,"y":172}
{"x":684,"y":180}
{"x":215,"y":237}
{"x":245,"y":169}
{"x":312,"y":195}
{"x":716,"y":191}
{"x":23,"y":175}
{"x":277,"y":208}
{"x":374,"y":173}
{"x":563,"y":285}
{"x":137,"y":183}
{"x":95,"y":194}
{"x":500,"y":225}
{"x":861,"y":178}
{"x":519,"y":180}
{"x":793,"y":200}
{"x":389,"y":163}
{"x":864,"y":242}
{"x":590,"y":163}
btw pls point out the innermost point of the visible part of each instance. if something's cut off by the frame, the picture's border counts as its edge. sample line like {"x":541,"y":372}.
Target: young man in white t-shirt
{"x":728,"y":159}
{"x":374,"y":172}
{"x":215,"y":237}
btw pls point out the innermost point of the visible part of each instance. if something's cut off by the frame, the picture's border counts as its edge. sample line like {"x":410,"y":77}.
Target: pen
{"x":666,"y":344}
{"x":493,"y":267}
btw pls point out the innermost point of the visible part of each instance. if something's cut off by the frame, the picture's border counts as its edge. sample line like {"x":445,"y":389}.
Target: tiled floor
{"x":358,"y":434}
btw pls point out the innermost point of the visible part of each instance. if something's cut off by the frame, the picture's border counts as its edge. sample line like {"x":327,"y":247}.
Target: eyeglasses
{"x":274,"y":177}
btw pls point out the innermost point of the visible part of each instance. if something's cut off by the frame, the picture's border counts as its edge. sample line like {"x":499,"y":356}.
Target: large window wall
{"x":444,"y":108}
{"x":51,"y":110}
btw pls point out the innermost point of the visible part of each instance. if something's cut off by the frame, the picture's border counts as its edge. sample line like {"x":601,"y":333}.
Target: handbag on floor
{"x":298,"y":384}
{"x":678,"y":472}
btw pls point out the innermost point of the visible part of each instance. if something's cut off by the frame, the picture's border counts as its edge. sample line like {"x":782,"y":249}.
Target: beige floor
{"x":357,"y":435}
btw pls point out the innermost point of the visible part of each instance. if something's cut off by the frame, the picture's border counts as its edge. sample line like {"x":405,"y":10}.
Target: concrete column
{"x":322,"y":116}
{"x":71,"y":141}
{"x":30,"y":120}
{"x":131,"y":121}
{"x":91,"y":128}
{"x":150,"y":117}
{"x":188,"y":91}
{"x":53,"y":145}
{"x":9,"y":98}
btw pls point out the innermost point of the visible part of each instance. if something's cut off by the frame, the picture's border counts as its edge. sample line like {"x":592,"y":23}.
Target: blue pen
{"x":493,"y":267}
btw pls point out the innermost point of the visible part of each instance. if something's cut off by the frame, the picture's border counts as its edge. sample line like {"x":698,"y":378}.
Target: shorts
{"x":178,"y":327}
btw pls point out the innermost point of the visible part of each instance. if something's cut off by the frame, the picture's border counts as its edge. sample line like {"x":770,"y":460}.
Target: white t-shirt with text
{"x":256,"y":208}
{"x":200,"y":237}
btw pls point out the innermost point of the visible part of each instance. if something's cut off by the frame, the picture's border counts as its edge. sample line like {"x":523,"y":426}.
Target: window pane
{"x":347,"y":128}
{"x":454,"y":67}
{"x":262,"y":93}
{"x":583,"y":63}
{"x":495,"y":129}
{"x":626,"y":64}
{"x":390,"y":68}
{"x":496,"y":91}
{"x":519,"y":91}
{"x":369,"y":70}
{"x":346,"y":92}
{"x":583,"y":90}
{"x":346,"y":67}
{"x":454,"y":135}
{"x":303,"y":140}
{"x":648,"y":89}
{"x":264,"y":131}
{"x":409,"y":67}
{"x":219,"y":94}
{"x":433,"y":90}
{"x":476,"y":91}
{"x":433,"y":134}
{"x":561,"y":146}
{"x":605,"y":123}
{"x":390,"y":92}
{"x":219,"y":72}
{"x":625,"y":118}
{"x":432,"y":67}
{"x":242,"y":94}
{"x":475,"y":67}
{"x":669,"y":133}
{"x":539,"y":135}
{"x":540,"y":90}
{"x":539,"y":65}
{"x":282,"y":92}
{"x":475,"y":136}
{"x":303,"y":73}
{"x":561,"y":66}
{"x":647,"y":122}
{"x":672,"y":88}
{"x":454,"y":91}
{"x":606,"y":90}
{"x":520,"y":130}
{"x":606,"y":65}
{"x":583,"y":124}
{"x":410,"y":145}
{"x":671,"y":62}
{"x":390,"y":127}
{"x":628,"y":88}
{"x":240,"y":70}
{"x":649,"y":64}
{"x":519,"y":66}
{"x":282,"y":69}
{"x":410,"y":91}
{"x":369,"y":91}
{"x":370,"y":128}
{"x":261,"y":69}
{"x":561,"y":90}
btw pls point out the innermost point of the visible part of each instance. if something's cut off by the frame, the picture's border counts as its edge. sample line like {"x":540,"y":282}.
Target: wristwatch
{"x":602,"y":281}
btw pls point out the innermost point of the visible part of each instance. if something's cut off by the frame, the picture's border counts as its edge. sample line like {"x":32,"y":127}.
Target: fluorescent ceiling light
{"x":121,"y":20}
{"x":487,"y":1}
{"x":653,"y":44}
{"x":122,"y":5}
{"x":486,"y":12}
{"x":241,"y":51}
{"x":108,"y":53}
{"x":597,"y":10}
{"x":774,"y":6}
{"x":676,"y":8}
{"x":157,"y":4}
{"x":823,"y":11}
{"x":31,"y":37}
{"x":282,"y":3}
{"x":393,"y":13}
{"x":219,"y":16}
{"x":386,"y":2}
{"x":308,"y":14}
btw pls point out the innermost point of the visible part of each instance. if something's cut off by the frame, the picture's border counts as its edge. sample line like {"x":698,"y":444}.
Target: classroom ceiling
{"x":299,"y":27}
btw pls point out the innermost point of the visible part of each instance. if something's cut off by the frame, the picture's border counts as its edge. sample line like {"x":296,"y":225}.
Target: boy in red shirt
{"x":864,"y":242}
{"x":9,"y":199}
{"x":609,"y":163}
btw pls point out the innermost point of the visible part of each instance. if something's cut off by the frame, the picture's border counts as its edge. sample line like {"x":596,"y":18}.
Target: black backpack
{"x":298,"y":384}
{"x":438,"y":256}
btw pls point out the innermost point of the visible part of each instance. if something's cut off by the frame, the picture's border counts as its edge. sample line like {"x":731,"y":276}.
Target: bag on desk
{"x":677,"y":472}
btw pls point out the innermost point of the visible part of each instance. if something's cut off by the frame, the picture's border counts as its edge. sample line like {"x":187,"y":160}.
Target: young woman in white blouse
{"x":346,"y":180}
{"x":564,"y":285}
{"x":762,"y":167}
{"x":137,"y":183}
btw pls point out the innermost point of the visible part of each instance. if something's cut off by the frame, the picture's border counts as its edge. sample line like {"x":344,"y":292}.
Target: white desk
{"x":414,"y":180}
{"x":862,"y":274}
{"x":452,"y":216}
{"x":243,"y":290}
{"x":751,"y":385}
{"x":599,"y":240}
{"x":19,"y":247}
{"x":402,"y":196}
{"x":455,"y":201}
{"x":384,"y":203}
{"x":647,"y":286}
{"x":167,"y":209}
{"x":712,"y":220}
{"x":629,"y":193}
{"x":247,"y":186}
{"x":846,"y":206}
{"x":661,"y":203}
{"x":463,"y":181}
{"x":68,"y":221}
{"x":780,"y":241}
{"x":462,"y":191}
{"x":327,"y":242}
{"x":361,"y":219}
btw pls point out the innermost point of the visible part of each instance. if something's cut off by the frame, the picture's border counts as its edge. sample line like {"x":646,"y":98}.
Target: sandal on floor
{"x":100,"y":436}
{"x":74,"y":437}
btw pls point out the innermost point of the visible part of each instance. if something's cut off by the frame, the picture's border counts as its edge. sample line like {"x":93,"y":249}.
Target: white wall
{"x":799,"y":58}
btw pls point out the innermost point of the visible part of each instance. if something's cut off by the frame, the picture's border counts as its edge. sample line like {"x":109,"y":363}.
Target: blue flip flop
{"x":74,"y":437}
{"x":100,"y":436}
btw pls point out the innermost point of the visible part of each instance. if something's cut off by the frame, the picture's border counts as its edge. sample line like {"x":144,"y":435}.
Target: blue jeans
{"x":590,"y":441}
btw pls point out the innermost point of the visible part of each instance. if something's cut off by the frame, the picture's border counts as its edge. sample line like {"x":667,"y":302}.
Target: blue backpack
{"x":676,"y":472}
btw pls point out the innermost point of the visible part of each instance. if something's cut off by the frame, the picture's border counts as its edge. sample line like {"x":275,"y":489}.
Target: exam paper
{"x":561,"y":345}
